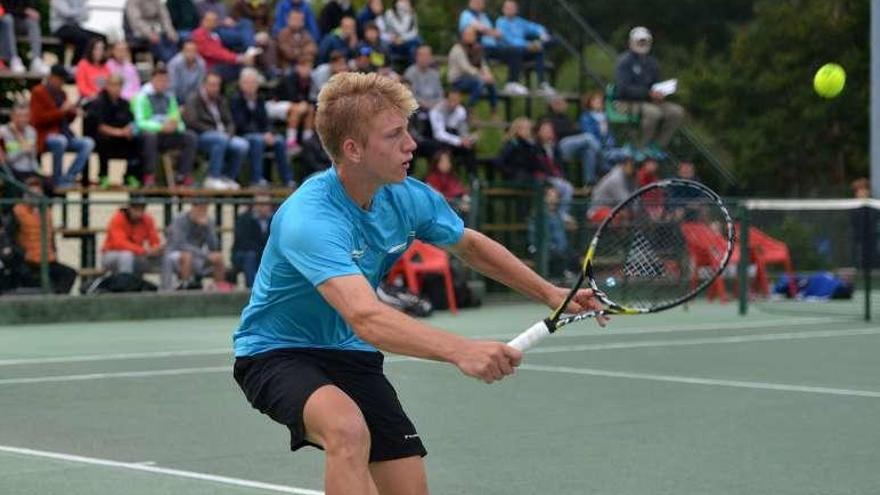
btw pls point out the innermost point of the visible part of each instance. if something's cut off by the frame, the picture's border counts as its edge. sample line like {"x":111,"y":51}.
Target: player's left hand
{"x":583,"y":300}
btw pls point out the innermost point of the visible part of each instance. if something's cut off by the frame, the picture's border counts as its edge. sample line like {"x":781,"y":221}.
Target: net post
{"x":542,"y":233}
{"x":45,"y":284}
{"x":867,"y":256}
{"x":742,"y":268}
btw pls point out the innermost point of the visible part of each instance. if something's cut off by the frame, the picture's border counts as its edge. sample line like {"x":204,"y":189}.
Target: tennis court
{"x":683,"y":402}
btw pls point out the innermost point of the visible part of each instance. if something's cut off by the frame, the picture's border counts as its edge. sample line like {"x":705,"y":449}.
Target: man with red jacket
{"x":218,"y":58}
{"x":132,"y":244}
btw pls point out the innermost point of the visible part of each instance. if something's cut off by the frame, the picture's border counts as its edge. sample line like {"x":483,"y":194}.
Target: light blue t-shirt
{"x":319,"y":233}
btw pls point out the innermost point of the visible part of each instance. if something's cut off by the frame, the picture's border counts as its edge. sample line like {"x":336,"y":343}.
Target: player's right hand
{"x":488,"y":361}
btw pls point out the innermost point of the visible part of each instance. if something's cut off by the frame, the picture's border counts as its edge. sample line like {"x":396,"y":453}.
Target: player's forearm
{"x":494,"y":261}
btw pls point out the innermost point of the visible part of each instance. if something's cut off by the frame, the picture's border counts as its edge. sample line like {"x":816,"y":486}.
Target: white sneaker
{"x":40,"y":67}
{"x":16,"y":65}
{"x":215,"y":183}
{"x":546,"y":89}
{"x":515,"y":88}
{"x":230,"y":184}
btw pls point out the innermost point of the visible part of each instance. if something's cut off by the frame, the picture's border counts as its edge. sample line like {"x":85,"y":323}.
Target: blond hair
{"x":519,"y":125}
{"x":348,"y":103}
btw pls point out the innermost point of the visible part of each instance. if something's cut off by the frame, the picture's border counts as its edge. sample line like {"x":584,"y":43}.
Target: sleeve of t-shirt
{"x":435,"y":221}
{"x":318,"y":249}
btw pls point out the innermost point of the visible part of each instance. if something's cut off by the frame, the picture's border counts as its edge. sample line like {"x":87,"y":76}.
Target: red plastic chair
{"x":423,"y":258}
{"x":703,"y":245}
{"x":769,"y":251}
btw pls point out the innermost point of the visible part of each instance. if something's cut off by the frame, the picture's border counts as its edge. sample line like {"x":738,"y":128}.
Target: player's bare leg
{"x":333,"y":421}
{"x":401,"y":476}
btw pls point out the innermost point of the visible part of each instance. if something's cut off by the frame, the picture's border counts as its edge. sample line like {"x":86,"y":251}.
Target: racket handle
{"x":526,"y":340}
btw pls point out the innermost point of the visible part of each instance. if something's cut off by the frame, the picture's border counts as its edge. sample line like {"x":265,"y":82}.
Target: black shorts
{"x":278,"y":383}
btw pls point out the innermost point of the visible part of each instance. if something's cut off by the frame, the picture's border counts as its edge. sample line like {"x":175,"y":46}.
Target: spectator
{"x":344,"y":39}
{"x":362,"y":61}
{"x":687,"y":170}
{"x":490,"y":39}
{"x":282,"y":11}
{"x":322,"y":73}
{"x":557,"y":113}
{"x":333,"y":13}
{"x":652,"y":202}
{"x":449,"y":125}
{"x":194,"y":251}
{"x":525,"y":41}
{"x":207,"y":113}
{"x":560,"y":259}
{"x":575,"y":142}
{"x":293,"y":104}
{"x":252,"y":123}
{"x":379,"y":56}
{"x":14,"y":272}
{"x":92,"y":71}
{"x":51,"y":114}
{"x":120,"y":63}
{"x":612,"y":190}
{"x":22,"y":13}
{"x":66,"y":18}
{"x":402,"y":29}
{"x":217,"y":57}
{"x":29,"y":222}
{"x":295,"y":42}
{"x":184,"y":16}
{"x":113,"y":125}
{"x":373,"y":11}
{"x":132,"y":244}
{"x":20,"y":146}
{"x":149,"y":23}
{"x":251,"y":235}
{"x":259,"y":12}
{"x":519,"y":158}
{"x":187,"y":71}
{"x":236,"y":35}
{"x":442,"y":177}
{"x":468,"y":71}
{"x":424,"y":79}
{"x":158,"y":122}
{"x":550,"y":166}
{"x":635,"y":76}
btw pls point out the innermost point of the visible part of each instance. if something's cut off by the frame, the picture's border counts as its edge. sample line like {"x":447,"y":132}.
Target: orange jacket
{"x":28,"y":234}
{"x":123,"y":235}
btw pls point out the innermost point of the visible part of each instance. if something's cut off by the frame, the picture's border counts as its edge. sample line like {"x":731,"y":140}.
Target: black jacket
{"x":293,"y":88}
{"x":246,"y":120}
{"x":634,"y":76}
{"x":248,"y":234}
{"x":519,"y":160}
{"x":104,"y":111}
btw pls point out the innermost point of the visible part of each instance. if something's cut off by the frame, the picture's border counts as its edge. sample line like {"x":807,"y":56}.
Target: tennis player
{"x":308,"y":346}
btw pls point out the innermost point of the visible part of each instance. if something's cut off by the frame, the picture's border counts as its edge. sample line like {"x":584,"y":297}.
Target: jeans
{"x":565,"y":190}
{"x":218,"y":145}
{"x":474,"y":87}
{"x":238,"y":37}
{"x":248,"y":262}
{"x":586,"y":148}
{"x":164,"y":50}
{"x":152,"y":143}
{"x":257,"y":146}
{"x":514,"y":56}
{"x":406,"y":49}
{"x":57,"y":144}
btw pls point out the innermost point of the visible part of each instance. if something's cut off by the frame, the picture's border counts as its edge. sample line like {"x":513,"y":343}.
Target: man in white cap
{"x":635,"y":76}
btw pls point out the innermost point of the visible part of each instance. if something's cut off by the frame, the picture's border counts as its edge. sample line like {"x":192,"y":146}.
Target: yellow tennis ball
{"x":829,"y":80}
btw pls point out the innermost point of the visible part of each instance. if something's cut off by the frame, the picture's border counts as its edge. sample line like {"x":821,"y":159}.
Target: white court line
{"x":115,"y":357}
{"x":120,"y":374}
{"x":225,"y":480}
{"x":778,"y":387}
{"x":818,"y":334}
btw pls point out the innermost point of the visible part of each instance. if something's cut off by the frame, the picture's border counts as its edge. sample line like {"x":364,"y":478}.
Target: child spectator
{"x":560,"y":259}
{"x":442,"y":178}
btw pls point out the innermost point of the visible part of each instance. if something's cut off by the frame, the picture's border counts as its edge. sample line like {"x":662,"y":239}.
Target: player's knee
{"x":347,"y":437}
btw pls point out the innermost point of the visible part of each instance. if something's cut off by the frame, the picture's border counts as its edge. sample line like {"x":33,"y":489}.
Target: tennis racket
{"x":656,"y":250}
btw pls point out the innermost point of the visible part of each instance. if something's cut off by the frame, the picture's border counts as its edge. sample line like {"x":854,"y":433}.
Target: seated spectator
{"x":251,"y":235}
{"x":113,"y":131}
{"x":193,"y":251}
{"x":207,"y":113}
{"x":490,"y":39}
{"x":379,"y":56}
{"x":374,"y":12}
{"x":295,"y":42}
{"x":550,"y":166}
{"x":22,"y":14}
{"x":259,"y":12}
{"x":148,"y":22}
{"x":218,"y":58}
{"x":449,"y":125}
{"x":612,"y":190}
{"x":338,"y":63}
{"x":14,"y":272}
{"x":652,"y":201}
{"x":158,"y":123}
{"x":402,"y":30}
{"x":560,"y":259}
{"x":282,"y":11}
{"x":92,"y":72}
{"x":293,"y":103}
{"x":598,"y":149}
{"x":132,"y":244}
{"x":29,"y":223}
{"x":187,"y":70}
{"x":184,"y":16}
{"x":19,"y":140}
{"x":120,"y":63}
{"x":442,"y":177}
{"x":424,"y":82}
{"x":362,"y":62}
{"x":519,"y":158}
{"x":343,"y":39}
{"x":236,"y":35}
{"x":51,"y":115}
{"x":468,"y":72}
{"x":333,"y":13}
{"x":66,"y":18}
{"x":635,"y":76}
{"x":523,"y":41}
{"x":252,"y":123}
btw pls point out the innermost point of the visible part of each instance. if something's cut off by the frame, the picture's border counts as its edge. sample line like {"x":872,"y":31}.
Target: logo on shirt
{"x":357,"y":254}
{"x":410,"y":437}
{"x":398,"y":248}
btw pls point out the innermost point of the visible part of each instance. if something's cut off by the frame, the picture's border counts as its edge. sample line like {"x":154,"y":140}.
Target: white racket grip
{"x":526,"y":340}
